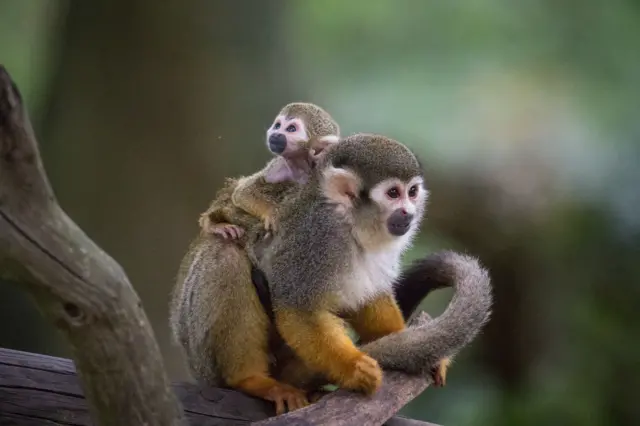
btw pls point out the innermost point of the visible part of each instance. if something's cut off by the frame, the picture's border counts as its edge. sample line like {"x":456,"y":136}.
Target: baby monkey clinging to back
{"x":299,"y":134}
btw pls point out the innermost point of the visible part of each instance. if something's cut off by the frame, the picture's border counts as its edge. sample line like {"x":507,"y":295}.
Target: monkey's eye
{"x":393,"y":192}
{"x":291,"y":128}
{"x":413,"y":191}
{"x":277,"y":125}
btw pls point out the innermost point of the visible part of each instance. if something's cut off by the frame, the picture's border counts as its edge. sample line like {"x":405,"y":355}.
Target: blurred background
{"x":526,"y":115}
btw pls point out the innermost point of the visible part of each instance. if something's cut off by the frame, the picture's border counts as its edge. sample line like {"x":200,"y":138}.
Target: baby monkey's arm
{"x":252,"y":195}
{"x":221,"y":216}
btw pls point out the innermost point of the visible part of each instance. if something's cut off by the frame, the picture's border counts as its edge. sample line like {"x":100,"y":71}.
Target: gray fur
{"x":374,"y":158}
{"x":314,"y":248}
{"x":421,"y":346}
{"x":302,"y":264}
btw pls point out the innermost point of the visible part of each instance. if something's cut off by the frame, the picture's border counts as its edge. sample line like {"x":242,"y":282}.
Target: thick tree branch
{"x":343,"y":408}
{"x":41,"y":389}
{"x":78,"y":287}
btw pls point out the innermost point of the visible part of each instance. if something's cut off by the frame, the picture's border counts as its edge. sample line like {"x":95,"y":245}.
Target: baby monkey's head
{"x":298,"y":124}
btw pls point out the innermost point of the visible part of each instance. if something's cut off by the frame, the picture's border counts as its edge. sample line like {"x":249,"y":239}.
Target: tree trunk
{"x":151,"y":109}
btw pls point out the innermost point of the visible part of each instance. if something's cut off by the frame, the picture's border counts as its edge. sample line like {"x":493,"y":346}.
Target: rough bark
{"x":41,"y":389}
{"x":76,"y":285}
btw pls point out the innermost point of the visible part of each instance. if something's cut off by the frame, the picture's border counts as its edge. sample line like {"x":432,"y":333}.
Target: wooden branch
{"x":78,"y":287}
{"x":41,"y":389}
{"x":342,"y":408}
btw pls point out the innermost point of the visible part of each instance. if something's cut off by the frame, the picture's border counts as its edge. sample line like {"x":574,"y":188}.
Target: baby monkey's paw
{"x":226,"y":231}
{"x":365,"y":376}
{"x":439,"y":372}
{"x":287,"y":397}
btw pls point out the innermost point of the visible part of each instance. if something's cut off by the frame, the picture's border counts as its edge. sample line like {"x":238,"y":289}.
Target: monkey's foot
{"x":439,"y":373}
{"x":365,"y":376}
{"x":226,"y":231}
{"x":286,"y":396}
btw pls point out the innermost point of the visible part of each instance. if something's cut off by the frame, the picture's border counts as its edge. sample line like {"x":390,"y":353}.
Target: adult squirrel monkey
{"x":336,"y":256}
{"x":215,"y":313}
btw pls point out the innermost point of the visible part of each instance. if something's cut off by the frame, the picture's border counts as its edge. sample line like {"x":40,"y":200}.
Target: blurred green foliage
{"x":525,"y":114}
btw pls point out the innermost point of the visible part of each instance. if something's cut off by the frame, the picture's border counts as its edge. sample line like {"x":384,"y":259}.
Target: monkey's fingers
{"x":235,"y":231}
{"x":279,"y":405}
{"x":221,"y":231}
{"x":228,"y":231}
{"x":296,"y":401}
{"x":285,"y":396}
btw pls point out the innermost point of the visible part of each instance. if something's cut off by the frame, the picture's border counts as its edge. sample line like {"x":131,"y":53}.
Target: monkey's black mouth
{"x":277,"y":143}
{"x":398,"y":230}
{"x":399,"y":222}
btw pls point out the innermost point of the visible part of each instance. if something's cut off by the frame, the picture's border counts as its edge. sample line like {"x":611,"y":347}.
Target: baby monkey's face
{"x":284,"y":137}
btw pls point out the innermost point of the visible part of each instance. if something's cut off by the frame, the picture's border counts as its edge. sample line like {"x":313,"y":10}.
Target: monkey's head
{"x":378,"y":183}
{"x":300,"y":127}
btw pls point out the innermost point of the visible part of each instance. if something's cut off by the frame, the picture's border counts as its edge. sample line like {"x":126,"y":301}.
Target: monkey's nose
{"x":399,"y":222}
{"x":277,"y":143}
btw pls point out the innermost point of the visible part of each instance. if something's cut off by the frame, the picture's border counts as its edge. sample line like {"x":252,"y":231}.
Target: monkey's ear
{"x":340,"y":186}
{"x":319,"y":145}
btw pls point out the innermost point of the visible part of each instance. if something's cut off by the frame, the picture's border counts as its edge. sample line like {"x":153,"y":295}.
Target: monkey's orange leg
{"x":378,"y":318}
{"x":240,"y":342}
{"x":247,"y":369}
{"x":321,"y":340}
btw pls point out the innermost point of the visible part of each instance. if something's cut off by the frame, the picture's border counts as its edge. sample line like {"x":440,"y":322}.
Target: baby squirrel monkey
{"x":215,"y":313}
{"x":299,"y":134}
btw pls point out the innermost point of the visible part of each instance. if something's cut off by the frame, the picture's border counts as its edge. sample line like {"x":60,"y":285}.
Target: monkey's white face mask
{"x":285,"y":134}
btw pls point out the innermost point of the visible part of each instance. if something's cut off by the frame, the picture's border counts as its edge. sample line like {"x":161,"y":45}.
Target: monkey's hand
{"x":287,"y":396}
{"x":225,"y":230}
{"x":365,"y":376}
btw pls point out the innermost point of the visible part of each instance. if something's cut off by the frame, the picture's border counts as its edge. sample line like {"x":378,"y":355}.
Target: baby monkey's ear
{"x":319,"y":145}
{"x":340,"y":186}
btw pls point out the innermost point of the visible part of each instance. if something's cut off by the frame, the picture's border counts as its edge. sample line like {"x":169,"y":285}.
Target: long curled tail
{"x":419,"y":347}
